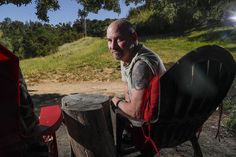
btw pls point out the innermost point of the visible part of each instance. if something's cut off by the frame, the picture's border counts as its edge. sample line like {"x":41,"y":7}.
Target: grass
{"x":170,"y":49}
{"x":85,"y":59}
{"x":89,"y":59}
{"x":230,"y":107}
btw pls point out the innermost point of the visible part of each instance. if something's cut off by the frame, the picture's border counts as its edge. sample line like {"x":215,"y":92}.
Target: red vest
{"x":150,"y":109}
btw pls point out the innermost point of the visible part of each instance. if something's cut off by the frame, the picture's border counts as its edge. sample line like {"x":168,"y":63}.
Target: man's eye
{"x":120,"y":40}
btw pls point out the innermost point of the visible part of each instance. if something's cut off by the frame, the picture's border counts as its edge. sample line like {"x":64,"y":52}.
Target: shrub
{"x":229,"y":105}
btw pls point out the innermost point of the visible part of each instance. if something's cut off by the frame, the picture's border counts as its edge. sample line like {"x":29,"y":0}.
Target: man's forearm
{"x":127,"y":96}
{"x":133,"y":107}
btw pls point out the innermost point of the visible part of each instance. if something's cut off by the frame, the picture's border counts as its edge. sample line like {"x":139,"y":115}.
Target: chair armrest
{"x":50,"y":119}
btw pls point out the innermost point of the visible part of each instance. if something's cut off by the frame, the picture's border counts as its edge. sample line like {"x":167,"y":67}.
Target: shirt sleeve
{"x":141,"y":75}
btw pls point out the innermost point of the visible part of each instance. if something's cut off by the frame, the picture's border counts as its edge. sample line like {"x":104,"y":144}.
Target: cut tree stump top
{"x":87,"y":102}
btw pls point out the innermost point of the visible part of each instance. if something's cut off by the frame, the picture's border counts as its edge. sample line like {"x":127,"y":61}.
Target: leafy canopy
{"x":42,"y":6}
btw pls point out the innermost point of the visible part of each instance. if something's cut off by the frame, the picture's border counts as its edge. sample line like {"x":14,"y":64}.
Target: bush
{"x":229,"y":105}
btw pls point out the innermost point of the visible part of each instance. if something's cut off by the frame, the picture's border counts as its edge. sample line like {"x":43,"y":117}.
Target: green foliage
{"x":33,"y":39}
{"x":7,"y":43}
{"x":42,"y":6}
{"x":176,"y":16}
{"x":16,"y":2}
{"x":231,"y":121}
{"x":89,"y":6}
{"x":127,"y":2}
{"x":229,"y":106}
{"x":93,"y":7}
{"x":149,"y":22}
{"x":95,"y":28}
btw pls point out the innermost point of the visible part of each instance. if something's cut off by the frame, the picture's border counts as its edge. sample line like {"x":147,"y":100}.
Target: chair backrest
{"x":9,"y":98}
{"x":191,"y":90}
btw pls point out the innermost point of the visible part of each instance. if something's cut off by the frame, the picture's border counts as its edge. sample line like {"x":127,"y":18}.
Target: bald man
{"x":139,"y":68}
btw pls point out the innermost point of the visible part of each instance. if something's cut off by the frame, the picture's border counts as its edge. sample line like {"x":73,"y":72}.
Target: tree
{"x":42,"y":6}
{"x":93,"y":6}
{"x":177,"y":15}
{"x":83,"y":14}
{"x":89,"y":6}
{"x":31,"y":39}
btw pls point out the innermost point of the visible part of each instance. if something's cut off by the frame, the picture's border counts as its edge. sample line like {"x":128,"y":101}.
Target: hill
{"x":89,"y":58}
{"x":85,"y":59}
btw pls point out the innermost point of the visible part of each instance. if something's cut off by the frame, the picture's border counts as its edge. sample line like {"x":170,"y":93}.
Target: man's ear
{"x":134,"y":37}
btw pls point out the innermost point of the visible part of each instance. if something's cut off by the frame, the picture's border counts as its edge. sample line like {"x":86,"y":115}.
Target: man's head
{"x":121,"y":38}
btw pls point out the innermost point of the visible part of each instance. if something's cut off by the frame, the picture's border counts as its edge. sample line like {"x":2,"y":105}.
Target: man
{"x":140,"y":69}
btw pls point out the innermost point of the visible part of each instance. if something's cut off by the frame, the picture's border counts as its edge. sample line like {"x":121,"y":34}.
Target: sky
{"x":67,"y":12}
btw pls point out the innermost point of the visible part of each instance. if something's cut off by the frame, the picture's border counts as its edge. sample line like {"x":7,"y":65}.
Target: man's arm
{"x":141,"y":76}
{"x":126,"y":90}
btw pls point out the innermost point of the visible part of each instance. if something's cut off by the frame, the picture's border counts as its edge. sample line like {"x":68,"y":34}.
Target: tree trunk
{"x":85,"y":27}
{"x":86,"y":125}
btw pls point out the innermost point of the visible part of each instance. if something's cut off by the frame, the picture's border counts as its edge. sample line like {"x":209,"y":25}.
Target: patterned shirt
{"x":157,"y":69}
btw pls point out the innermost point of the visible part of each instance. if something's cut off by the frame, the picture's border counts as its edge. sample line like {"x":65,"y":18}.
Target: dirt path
{"x":78,"y":87}
{"x":50,"y":93}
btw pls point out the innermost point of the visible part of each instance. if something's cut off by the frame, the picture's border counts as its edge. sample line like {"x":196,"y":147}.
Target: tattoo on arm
{"x":141,"y":75}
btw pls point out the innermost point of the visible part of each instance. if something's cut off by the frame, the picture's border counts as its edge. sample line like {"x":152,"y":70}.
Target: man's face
{"x":119,"y":43}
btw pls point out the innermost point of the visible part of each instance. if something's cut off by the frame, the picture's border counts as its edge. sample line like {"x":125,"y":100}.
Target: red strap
{"x":149,"y":139}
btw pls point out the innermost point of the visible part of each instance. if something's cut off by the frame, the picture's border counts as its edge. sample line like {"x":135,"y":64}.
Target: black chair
{"x":190,"y":91}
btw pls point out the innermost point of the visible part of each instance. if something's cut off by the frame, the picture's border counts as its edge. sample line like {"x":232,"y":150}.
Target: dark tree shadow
{"x":232,"y":49}
{"x":160,"y":36}
{"x":221,"y":35}
{"x":169,"y":65}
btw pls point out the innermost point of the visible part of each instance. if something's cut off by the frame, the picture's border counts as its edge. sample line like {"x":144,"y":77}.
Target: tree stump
{"x":86,"y":125}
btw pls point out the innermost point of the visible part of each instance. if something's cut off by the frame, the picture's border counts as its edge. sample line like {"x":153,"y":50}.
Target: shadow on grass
{"x":160,"y":36}
{"x":232,"y":49}
{"x":169,"y":65}
{"x":220,"y":35}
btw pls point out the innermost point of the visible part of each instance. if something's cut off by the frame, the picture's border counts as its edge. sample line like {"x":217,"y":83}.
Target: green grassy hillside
{"x":85,"y":59}
{"x":89,"y":59}
{"x":172,"y":48}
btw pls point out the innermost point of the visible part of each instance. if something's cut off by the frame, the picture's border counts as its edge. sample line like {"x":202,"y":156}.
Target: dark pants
{"x":121,"y":123}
